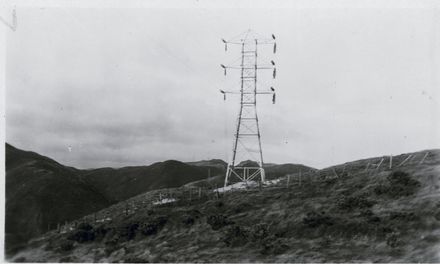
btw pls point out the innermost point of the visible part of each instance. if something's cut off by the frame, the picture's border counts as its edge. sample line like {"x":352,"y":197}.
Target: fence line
{"x":193,"y":193}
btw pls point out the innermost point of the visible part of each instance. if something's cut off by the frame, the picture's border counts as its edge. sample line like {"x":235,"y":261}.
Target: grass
{"x":325,"y":219}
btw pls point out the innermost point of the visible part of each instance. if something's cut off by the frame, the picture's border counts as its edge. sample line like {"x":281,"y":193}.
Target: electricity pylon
{"x":247,"y":137}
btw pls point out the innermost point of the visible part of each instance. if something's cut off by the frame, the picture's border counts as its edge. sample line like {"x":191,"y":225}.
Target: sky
{"x":95,"y":87}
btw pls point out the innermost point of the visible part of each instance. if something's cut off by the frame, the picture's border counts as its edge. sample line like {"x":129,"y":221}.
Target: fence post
{"x":404,"y":161}
{"x":288,"y":179}
{"x":200,"y":192}
{"x":334,"y":171}
{"x":424,"y":157}
{"x":368,"y":165}
{"x":391,"y":161}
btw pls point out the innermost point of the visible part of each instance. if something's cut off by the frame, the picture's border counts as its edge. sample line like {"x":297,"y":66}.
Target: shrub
{"x":393,"y":240}
{"x":353,"y":202}
{"x":259,"y":231}
{"x":236,"y":236}
{"x":241,"y":207}
{"x":84,"y":233}
{"x":402,"y":178}
{"x":399,"y":184}
{"x":313,"y":219}
{"x":154,"y":226}
{"x":188,"y":220}
{"x":218,"y":221}
{"x":130,"y":230}
{"x":85,"y":226}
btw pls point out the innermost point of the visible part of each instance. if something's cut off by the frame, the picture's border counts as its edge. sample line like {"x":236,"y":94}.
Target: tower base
{"x":244,"y":173}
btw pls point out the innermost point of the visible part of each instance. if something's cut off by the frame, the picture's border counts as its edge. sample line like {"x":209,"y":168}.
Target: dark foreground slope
{"x":356,"y":212}
{"x":40,"y":193}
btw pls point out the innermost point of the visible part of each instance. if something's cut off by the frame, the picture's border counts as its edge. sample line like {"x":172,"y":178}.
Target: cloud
{"x":131,"y":87}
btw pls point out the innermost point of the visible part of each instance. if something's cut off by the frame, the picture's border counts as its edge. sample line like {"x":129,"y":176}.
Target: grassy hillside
{"x":355,"y":212}
{"x":40,"y":193}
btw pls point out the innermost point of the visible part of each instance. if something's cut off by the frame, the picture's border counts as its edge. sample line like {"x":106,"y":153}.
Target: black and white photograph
{"x":220,"y":132}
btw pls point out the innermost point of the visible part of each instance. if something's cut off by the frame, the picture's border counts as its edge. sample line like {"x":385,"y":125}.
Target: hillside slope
{"x":356,"y":212}
{"x":40,"y":193}
{"x":123,"y":183}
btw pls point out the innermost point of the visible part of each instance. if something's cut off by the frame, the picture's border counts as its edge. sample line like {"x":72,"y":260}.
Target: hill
{"x":40,"y":193}
{"x":359,"y":212}
{"x":120,"y":184}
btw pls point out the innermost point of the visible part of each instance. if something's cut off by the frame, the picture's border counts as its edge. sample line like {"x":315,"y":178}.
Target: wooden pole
{"x":288,"y":179}
{"x":424,"y":157}
{"x":334,"y":171}
{"x":200,"y":192}
{"x":380,"y":163}
{"x":409,"y":157}
{"x":391,"y":161}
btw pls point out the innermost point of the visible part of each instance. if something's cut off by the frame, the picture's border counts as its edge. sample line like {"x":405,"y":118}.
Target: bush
{"x":354,"y":202}
{"x":84,"y":233}
{"x":399,"y":184}
{"x":259,"y":231}
{"x":393,"y":240}
{"x":402,"y":178}
{"x":85,"y":226}
{"x":218,"y":221}
{"x":241,"y":207}
{"x":236,"y":236}
{"x":313,"y":219}
{"x":130,"y":230}
{"x":188,"y":220}
{"x":154,"y":226}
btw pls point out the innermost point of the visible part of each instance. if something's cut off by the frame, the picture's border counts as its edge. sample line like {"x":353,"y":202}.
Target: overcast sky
{"x":118,"y":87}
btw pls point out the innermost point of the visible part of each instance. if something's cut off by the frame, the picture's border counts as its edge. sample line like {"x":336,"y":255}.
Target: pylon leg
{"x":263,"y":175}
{"x":228,"y":171}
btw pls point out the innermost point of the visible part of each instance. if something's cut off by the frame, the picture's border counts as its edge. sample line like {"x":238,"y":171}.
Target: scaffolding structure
{"x":247,"y":137}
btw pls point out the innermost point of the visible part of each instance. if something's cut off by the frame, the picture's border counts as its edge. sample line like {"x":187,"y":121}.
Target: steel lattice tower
{"x":247,"y":137}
